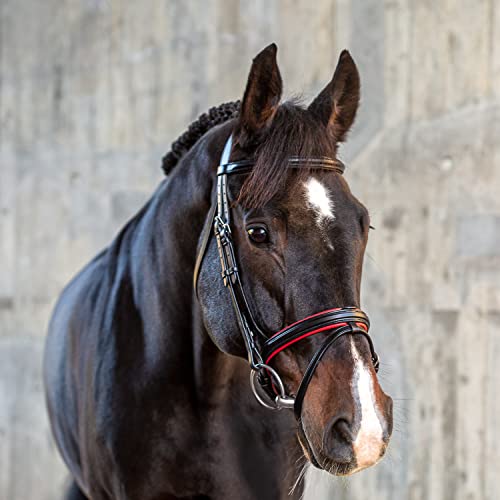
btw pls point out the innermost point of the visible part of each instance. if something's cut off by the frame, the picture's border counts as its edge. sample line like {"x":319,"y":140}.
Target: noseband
{"x":265,"y":382}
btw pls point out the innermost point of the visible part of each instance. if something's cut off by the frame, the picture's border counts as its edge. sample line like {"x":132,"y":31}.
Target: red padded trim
{"x":308,"y":334}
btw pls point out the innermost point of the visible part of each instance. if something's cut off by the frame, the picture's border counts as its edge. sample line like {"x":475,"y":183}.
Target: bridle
{"x":261,"y":348}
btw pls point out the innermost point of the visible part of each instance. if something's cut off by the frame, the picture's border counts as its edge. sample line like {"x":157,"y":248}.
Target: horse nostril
{"x":338,"y":440}
{"x":342,"y":428}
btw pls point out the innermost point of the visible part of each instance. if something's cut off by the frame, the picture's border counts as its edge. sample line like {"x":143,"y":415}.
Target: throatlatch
{"x":265,"y":382}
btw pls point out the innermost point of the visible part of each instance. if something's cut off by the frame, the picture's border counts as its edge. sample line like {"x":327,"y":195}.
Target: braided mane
{"x":214,"y":116}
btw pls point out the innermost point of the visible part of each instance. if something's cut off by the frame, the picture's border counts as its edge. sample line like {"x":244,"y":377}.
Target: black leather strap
{"x":345,"y":315}
{"x":350,"y":329}
{"x":311,"y":368}
{"x":205,"y":239}
{"x":322,"y":163}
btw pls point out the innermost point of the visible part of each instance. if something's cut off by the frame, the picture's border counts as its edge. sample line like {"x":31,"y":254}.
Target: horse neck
{"x":164,"y":254}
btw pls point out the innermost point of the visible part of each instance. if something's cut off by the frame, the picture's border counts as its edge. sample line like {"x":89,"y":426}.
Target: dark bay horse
{"x":146,"y":376}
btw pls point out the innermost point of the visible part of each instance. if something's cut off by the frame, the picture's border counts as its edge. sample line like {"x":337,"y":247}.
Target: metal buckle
{"x":281,"y":400}
{"x":222,"y":230}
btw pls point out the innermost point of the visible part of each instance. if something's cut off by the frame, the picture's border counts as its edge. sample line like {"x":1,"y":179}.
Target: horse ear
{"x":262,"y":96}
{"x":338,"y":102}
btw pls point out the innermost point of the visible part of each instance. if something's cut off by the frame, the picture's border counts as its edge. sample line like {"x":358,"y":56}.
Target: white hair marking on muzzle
{"x":369,"y":442}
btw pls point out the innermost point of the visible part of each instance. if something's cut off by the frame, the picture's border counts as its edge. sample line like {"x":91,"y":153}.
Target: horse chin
{"x":322,"y":462}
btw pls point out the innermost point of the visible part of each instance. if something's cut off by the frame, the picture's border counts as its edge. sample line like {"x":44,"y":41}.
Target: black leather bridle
{"x":266,"y":384}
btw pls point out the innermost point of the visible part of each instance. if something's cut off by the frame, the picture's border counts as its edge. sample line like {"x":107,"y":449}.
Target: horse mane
{"x":214,"y":116}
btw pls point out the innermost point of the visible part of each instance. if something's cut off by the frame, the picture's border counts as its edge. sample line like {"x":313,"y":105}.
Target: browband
{"x":245,"y":166}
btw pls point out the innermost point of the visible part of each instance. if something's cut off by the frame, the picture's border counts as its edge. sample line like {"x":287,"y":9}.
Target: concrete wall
{"x":92,"y":92}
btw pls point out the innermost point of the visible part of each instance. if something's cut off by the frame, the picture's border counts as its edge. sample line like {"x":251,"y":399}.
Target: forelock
{"x":293,"y":132}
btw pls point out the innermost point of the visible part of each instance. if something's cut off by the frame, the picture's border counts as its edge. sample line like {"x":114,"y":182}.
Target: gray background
{"x":91,"y":95}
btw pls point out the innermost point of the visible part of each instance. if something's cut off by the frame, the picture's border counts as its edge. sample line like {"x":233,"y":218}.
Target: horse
{"x":234,"y":291}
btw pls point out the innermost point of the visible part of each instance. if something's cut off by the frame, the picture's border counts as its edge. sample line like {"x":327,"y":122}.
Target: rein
{"x":261,"y":348}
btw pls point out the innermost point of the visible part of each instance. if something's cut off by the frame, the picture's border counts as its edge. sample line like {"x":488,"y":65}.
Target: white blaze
{"x":318,"y":199}
{"x":369,"y":440}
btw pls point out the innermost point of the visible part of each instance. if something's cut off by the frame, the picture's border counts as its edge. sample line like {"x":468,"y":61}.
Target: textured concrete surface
{"x":92,"y":92}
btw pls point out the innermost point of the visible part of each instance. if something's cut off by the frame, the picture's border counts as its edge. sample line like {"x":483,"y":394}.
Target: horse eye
{"x":258,"y":234}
